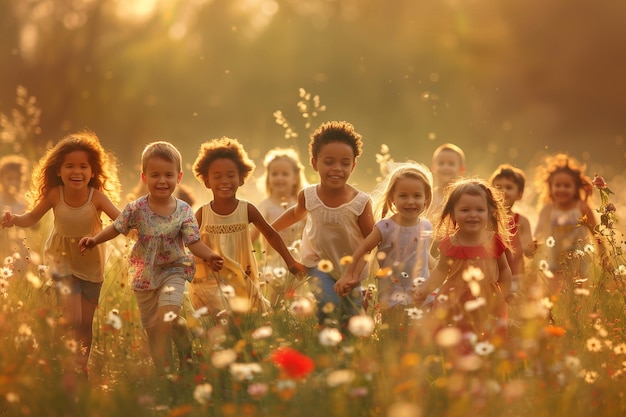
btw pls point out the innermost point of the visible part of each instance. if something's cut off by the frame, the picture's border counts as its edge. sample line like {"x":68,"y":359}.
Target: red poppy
{"x":294,"y":363}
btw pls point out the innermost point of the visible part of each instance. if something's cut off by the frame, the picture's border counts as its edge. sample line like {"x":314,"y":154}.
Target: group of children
{"x":479,"y":241}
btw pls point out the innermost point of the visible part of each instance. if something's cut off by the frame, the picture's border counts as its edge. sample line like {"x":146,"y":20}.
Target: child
{"x":13,"y":175}
{"x":339,"y":215}
{"x":403,"y":239}
{"x":511,"y":181}
{"x":77,"y":179}
{"x":282,"y":180}
{"x":565,"y":222}
{"x":158,"y":263}
{"x":472,"y":271}
{"x":448,"y":164}
{"x":223,"y":166}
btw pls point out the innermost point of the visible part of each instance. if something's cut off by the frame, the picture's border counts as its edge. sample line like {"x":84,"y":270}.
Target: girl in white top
{"x":565,"y":223}
{"x":403,"y":241}
{"x":223,"y":166}
{"x":77,"y":179}
{"x":282,"y":180}
{"x":339,"y":216}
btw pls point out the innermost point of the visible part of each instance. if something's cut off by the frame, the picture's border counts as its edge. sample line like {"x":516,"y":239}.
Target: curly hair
{"x":103,"y":164}
{"x":562,"y":164}
{"x":222,"y":148}
{"x":334,"y":131}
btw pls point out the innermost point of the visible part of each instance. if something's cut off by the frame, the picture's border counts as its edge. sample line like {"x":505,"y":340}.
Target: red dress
{"x":485,"y":312}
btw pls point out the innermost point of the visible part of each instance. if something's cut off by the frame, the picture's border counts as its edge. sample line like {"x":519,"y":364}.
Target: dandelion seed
{"x":325,"y":266}
{"x":329,"y":336}
{"x":222,"y":358}
{"x":594,"y":344}
{"x":340,"y":377}
{"x":262,"y":332}
{"x":472,"y":305}
{"x":415,"y":313}
{"x":169,"y":316}
{"x":202,"y":393}
{"x":473,"y":273}
{"x":484,"y":348}
{"x":361,"y":325}
{"x":448,"y":337}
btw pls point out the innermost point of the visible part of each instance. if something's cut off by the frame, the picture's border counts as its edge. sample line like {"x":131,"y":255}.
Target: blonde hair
{"x":498,"y":219}
{"x":410,"y":169}
{"x":452,"y":148}
{"x":163,"y":150}
{"x":562,"y":164}
{"x":283,"y":154}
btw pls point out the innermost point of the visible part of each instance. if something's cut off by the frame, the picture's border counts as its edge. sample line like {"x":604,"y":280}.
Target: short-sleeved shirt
{"x":161,"y":242}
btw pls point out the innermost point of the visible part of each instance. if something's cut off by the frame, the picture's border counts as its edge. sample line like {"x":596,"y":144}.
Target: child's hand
{"x":216,"y":262}
{"x":344,"y":286}
{"x":85,"y":243}
{"x":8,"y":220}
{"x":298,"y":270}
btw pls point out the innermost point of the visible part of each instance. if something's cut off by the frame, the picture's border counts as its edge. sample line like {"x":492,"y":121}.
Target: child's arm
{"x":504,"y":276}
{"x":437,"y":277}
{"x":350,"y":277}
{"x":32,"y":217}
{"x":103,"y":204}
{"x":542,"y":230}
{"x":104,"y":235}
{"x":525,"y":236}
{"x":202,"y":251}
{"x":292,"y":214}
{"x":366,"y":219}
{"x":274,"y":239}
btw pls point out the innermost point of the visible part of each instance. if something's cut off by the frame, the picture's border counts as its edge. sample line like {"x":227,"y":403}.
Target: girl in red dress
{"x":472,"y":273}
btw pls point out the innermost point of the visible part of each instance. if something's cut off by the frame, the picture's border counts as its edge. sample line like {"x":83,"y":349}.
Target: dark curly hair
{"x":222,"y":148}
{"x":330,"y":132}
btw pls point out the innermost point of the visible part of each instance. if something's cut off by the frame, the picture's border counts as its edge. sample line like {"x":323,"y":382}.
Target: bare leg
{"x":160,"y":339}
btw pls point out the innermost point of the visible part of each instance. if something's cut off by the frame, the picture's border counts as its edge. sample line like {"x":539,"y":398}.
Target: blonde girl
{"x":472,"y":272}
{"x":402,"y":236}
{"x":282,"y":180}
{"x":77,"y":179}
{"x":223,"y":166}
{"x":565,"y":223}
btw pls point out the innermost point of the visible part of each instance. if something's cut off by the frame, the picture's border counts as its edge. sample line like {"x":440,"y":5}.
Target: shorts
{"x":170,"y":293}
{"x":88,"y":290}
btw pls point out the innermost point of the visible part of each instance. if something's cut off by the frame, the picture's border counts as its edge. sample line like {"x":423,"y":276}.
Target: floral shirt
{"x":161,"y":241}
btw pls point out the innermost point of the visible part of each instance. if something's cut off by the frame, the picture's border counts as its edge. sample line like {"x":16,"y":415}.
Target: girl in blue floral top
{"x":159,"y":265}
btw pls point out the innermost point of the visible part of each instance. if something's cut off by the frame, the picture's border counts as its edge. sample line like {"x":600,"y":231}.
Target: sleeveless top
{"x":229,"y":236}
{"x":331,"y":233}
{"x":271,"y":211}
{"x":61,"y":251}
{"x":406,"y":252}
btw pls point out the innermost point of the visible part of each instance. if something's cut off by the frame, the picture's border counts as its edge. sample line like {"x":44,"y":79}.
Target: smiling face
{"x":282,"y":178}
{"x":563,"y":190}
{"x":334,"y":163}
{"x":161,"y":177}
{"x":409,"y":198}
{"x":471,"y":213}
{"x":223,"y":179}
{"x":76,"y":171}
